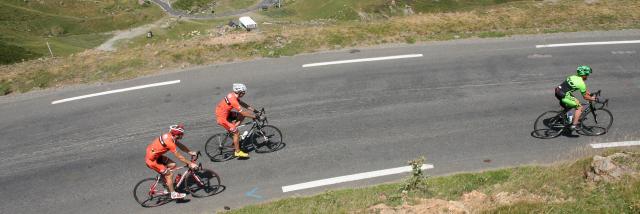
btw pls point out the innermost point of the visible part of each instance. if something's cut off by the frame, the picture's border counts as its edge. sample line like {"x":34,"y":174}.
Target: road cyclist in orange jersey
{"x":162,"y":164}
{"x":230,"y":112}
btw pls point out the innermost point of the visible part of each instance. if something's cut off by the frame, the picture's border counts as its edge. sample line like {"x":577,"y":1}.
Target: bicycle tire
{"x":273,"y":140}
{"x":142,"y":189}
{"x":592,"y":127}
{"x":204,"y":183}
{"x":549,"y":124}
{"x":219,"y":147}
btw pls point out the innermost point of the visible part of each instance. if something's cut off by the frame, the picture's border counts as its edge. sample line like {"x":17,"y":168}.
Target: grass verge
{"x":560,"y":188}
{"x":177,"y":46}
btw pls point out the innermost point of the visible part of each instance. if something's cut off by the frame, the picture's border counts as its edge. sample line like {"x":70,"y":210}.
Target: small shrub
{"x":410,"y":40}
{"x":42,"y":79}
{"x":5,"y":87}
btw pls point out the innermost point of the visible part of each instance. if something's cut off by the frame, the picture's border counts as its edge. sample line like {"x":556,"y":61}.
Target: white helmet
{"x":239,"y":87}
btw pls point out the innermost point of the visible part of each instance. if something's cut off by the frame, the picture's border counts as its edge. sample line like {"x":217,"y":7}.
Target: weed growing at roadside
{"x":416,"y":183}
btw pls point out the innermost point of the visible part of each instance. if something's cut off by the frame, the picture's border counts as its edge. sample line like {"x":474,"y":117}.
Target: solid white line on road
{"x":353,"y":177}
{"x":615,"y":144}
{"x":115,"y":91}
{"x":588,"y":43}
{"x":362,"y":60}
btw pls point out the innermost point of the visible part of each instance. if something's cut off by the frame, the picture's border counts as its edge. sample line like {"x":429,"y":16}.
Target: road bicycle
{"x":200,"y":182}
{"x":594,"y":120}
{"x":261,"y":137}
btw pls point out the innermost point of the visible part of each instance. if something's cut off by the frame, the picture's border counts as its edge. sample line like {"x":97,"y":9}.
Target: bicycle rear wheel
{"x":219,"y":147}
{"x":203,"y":183}
{"x":597,"y":122}
{"x":549,"y":125}
{"x":151,"y":193}
{"x":268,"y":139}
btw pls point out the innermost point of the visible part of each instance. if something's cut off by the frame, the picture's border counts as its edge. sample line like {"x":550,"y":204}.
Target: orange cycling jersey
{"x":160,"y":146}
{"x":225,"y":106}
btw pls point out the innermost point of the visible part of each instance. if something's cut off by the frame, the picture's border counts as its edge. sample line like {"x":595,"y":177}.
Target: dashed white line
{"x":115,"y":91}
{"x":353,"y":177}
{"x":588,"y":43}
{"x":362,"y":60}
{"x":615,"y":144}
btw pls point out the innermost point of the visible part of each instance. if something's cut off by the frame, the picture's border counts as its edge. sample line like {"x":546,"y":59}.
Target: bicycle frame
{"x":255,"y":125}
{"x":591,"y":109}
{"x":188,"y":172}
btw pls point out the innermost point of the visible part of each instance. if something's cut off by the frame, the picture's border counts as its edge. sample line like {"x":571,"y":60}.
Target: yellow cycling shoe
{"x":241,"y":154}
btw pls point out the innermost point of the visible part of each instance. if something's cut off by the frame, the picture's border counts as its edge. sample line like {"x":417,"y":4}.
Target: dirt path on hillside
{"x":132,"y":33}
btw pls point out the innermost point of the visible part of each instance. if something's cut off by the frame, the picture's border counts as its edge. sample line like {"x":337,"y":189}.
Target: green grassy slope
{"x":69,"y":26}
{"x":220,"y":5}
{"x":349,"y":9}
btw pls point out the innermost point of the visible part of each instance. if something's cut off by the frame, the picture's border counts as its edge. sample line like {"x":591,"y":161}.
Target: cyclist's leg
{"x":160,"y":168}
{"x":168,"y":176}
{"x":572,"y":102}
{"x":232,"y":128}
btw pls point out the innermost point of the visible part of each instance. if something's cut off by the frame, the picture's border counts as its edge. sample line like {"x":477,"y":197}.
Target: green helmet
{"x":584,"y":70}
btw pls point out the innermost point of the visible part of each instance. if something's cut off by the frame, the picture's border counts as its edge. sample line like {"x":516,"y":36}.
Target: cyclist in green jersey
{"x":575,"y":83}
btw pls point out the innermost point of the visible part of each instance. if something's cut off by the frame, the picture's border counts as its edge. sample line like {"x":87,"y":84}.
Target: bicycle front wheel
{"x":219,"y":147}
{"x":549,"y":125}
{"x":268,"y":139}
{"x":203,"y":183}
{"x":151,"y":193}
{"x":597,"y":122}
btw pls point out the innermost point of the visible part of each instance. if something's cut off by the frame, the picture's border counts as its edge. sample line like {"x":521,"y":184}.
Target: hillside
{"x":69,"y":26}
{"x":300,"y":26}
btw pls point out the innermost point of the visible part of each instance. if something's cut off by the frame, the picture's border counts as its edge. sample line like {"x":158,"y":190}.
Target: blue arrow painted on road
{"x":252,"y":193}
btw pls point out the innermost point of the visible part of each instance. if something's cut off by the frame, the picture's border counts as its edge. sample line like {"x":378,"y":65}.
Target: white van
{"x":248,"y":23}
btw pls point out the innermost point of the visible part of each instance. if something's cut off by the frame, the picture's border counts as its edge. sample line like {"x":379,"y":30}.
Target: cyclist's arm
{"x":183,"y":147}
{"x":245,"y":105}
{"x":248,"y":114}
{"x":587,"y":96}
{"x":180,"y":157}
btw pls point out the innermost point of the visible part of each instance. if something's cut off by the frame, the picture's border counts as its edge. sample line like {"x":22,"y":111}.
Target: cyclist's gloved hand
{"x":256,"y":111}
{"x":597,"y":99}
{"x":193,"y":153}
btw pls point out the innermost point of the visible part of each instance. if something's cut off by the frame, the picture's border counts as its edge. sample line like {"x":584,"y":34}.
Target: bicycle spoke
{"x":549,"y":125}
{"x":203,"y":183}
{"x":151,"y":192}
{"x":597,"y":122}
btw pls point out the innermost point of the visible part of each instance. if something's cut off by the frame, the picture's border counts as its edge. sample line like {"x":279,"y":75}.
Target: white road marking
{"x":115,"y":91}
{"x":615,"y":144}
{"x":535,"y":56}
{"x":362,"y":60}
{"x":587,"y":43}
{"x":353,"y":177}
{"x":623,"y":52}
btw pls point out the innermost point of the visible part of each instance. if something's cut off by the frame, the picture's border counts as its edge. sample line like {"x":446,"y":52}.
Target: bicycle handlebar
{"x":604,"y":102}
{"x":259,"y":114}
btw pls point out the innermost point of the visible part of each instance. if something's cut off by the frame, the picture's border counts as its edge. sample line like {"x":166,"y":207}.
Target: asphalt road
{"x":462,"y":103}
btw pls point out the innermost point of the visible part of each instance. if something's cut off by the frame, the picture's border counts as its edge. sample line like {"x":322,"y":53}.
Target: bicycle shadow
{"x":249,"y":148}
{"x":541,"y":134}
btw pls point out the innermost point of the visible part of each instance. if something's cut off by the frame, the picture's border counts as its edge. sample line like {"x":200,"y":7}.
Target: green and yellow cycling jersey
{"x":564,"y":91}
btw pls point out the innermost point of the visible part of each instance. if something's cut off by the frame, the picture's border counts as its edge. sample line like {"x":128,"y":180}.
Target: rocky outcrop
{"x":612,"y":167}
